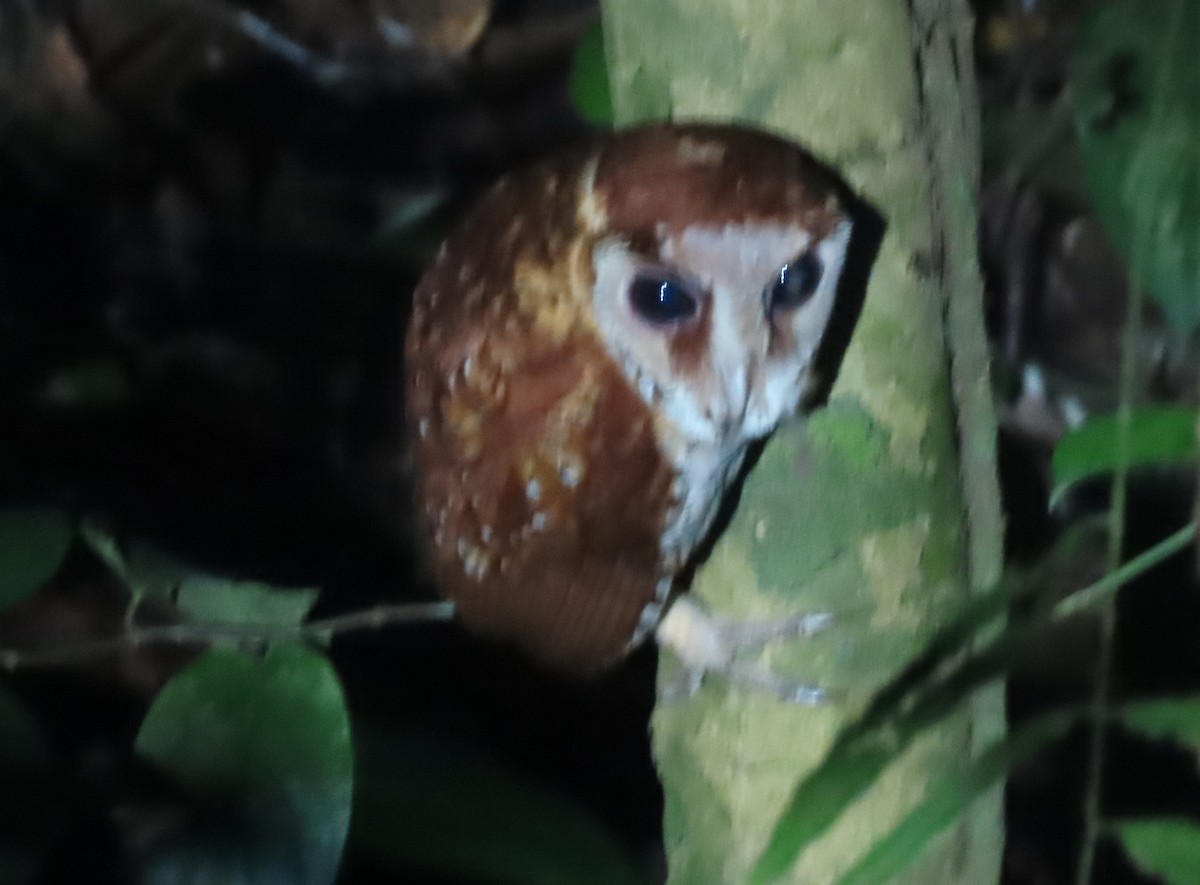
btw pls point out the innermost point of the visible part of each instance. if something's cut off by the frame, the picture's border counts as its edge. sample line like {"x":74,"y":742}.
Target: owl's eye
{"x":661,"y":298}
{"x":795,"y":282}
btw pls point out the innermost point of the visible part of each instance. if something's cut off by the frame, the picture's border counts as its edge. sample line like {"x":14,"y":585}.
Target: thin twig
{"x":1093,"y":783}
{"x":208,"y":633}
{"x":1101,"y":592}
{"x":323,"y":71}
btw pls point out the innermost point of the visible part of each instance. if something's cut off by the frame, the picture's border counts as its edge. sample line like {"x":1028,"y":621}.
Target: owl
{"x":591,"y":356}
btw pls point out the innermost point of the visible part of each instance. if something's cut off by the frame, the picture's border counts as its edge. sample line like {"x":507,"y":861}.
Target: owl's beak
{"x":751,"y":379}
{"x":736,"y":387}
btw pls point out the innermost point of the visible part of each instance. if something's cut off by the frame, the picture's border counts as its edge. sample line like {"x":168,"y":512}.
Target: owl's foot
{"x":707,"y":644}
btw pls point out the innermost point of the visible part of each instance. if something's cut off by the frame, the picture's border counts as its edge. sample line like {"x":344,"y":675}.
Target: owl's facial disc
{"x":720,"y":325}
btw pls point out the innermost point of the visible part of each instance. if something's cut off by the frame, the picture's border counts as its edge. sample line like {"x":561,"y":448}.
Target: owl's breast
{"x":544,"y":492}
{"x":704,"y":472}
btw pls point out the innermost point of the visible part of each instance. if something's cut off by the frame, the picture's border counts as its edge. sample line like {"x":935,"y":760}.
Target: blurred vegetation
{"x":211,"y":216}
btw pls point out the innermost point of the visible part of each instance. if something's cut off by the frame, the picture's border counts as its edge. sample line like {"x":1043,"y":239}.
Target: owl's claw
{"x":753,"y":635}
{"x":708,"y":644}
{"x":806,"y":694}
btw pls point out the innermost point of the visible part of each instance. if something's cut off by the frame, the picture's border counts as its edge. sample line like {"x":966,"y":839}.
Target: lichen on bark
{"x":881,"y":508}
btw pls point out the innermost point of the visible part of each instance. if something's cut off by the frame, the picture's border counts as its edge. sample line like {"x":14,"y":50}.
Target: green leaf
{"x":842,"y":777}
{"x":589,"y":78}
{"x":426,"y":802}
{"x":264,"y":746}
{"x":950,"y":797}
{"x":204,"y":597}
{"x":146,"y":568}
{"x":1136,"y":87}
{"x":32,"y":545}
{"x":932,"y":686}
{"x":1176,"y":719}
{"x":1164,"y":847}
{"x":1157,"y":435}
{"x":101,"y":541}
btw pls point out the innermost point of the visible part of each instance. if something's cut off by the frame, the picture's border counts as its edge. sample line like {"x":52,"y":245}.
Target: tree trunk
{"x":882,"y":508}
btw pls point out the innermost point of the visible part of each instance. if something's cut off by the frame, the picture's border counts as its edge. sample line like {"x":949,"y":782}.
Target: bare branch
{"x":209,"y":633}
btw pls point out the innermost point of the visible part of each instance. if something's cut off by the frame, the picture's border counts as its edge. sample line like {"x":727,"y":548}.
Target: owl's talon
{"x":805,"y":694}
{"x":706,"y":644}
{"x":753,"y":635}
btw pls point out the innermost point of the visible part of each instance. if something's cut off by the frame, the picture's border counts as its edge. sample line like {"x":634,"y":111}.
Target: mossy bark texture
{"x":881,"y":508}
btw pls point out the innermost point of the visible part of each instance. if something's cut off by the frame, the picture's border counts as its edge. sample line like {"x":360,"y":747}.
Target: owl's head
{"x":716,"y":258}
{"x":591,"y":354}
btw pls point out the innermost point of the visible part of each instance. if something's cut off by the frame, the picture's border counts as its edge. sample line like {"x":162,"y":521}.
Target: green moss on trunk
{"x":882,"y":508}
